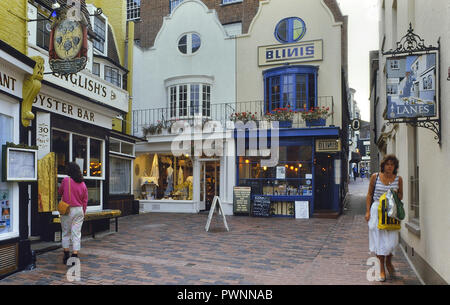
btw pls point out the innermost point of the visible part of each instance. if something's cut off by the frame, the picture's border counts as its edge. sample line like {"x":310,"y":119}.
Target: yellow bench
{"x":103,"y":214}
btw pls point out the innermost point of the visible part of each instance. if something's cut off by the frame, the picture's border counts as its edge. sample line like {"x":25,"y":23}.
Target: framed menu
{"x":19,"y":164}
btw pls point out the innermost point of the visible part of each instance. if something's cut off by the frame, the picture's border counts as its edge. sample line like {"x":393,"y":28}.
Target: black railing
{"x":222,"y":112}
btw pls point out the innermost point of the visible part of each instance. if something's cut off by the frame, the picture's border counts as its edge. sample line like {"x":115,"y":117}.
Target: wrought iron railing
{"x":222,"y":112}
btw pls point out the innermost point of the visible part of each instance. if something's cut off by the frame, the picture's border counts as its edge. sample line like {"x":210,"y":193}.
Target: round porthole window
{"x":290,"y":30}
{"x":189,"y":43}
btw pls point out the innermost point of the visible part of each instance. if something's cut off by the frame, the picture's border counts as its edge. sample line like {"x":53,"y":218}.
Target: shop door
{"x":209,"y":183}
{"x":324,"y":182}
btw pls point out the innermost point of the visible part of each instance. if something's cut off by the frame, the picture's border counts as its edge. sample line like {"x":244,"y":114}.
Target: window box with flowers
{"x":154,"y":129}
{"x":244,"y":117}
{"x":316,"y":116}
{"x":282,"y":115}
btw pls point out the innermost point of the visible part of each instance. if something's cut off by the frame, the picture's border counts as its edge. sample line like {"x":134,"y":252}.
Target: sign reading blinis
{"x":68,"y":40}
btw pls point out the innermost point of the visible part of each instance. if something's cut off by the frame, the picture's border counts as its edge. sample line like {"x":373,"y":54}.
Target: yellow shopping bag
{"x":384,"y":221}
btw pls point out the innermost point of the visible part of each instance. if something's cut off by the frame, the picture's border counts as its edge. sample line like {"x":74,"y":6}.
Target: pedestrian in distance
{"x":355,"y":172}
{"x":73,"y":191}
{"x":383,"y":242}
{"x":362,"y":172}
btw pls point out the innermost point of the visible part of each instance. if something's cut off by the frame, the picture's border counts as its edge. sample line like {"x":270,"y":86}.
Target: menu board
{"x":261,"y":206}
{"x":21,"y":164}
{"x":241,"y":200}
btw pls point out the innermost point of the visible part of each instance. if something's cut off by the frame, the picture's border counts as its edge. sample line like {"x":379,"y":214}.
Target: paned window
{"x":133,"y":9}
{"x":189,"y":43}
{"x":189,"y":99}
{"x":88,"y":153}
{"x":119,"y":176}
{"x":100,"y":32}
{"x":395,"y":65}
{"x":294,"y":87}
{"x":290,"y":30}
{"x":112,"y":75}
{"x":96,"y":69}
{"x":43,"y":32}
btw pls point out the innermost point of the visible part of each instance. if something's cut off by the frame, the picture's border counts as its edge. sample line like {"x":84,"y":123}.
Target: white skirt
{"x":381,"y":242}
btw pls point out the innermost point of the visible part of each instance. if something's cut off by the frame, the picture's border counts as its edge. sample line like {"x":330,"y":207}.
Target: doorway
{"x":324,"y":182}
{"x":209,"y":182}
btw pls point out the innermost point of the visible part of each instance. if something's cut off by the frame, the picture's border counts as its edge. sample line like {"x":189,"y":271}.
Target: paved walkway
{"x":175,"y":249}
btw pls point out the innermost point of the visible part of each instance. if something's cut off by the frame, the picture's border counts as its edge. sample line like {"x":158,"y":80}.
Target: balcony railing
{"x":222,"y":112}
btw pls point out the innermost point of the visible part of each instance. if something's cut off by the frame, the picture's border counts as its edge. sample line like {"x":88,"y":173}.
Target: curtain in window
{"x":120,"y":176}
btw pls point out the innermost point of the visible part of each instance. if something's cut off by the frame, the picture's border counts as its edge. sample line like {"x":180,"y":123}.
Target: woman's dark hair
{"x":387,"y":158}
{"x":73,"y":170}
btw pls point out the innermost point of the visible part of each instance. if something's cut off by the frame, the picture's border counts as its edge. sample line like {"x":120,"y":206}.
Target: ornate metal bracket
{"x":409,"y":44}
{"x":433,"y":125}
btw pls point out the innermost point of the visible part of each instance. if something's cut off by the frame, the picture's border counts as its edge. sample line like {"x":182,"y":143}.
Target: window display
{"x":163,"y":176}
{"x":291,"y":177}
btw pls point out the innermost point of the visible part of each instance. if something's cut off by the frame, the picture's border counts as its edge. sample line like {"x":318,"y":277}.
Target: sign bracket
{"x":413,"y":44}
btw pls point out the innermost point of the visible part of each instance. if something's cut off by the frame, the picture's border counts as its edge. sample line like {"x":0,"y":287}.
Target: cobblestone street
{"x":175,"y":249}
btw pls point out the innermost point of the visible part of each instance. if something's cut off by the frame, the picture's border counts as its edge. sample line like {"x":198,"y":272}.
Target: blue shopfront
{"x":308,"y":170}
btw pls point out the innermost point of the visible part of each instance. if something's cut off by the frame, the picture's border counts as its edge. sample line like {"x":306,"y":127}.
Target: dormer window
{"x":100,"y":32}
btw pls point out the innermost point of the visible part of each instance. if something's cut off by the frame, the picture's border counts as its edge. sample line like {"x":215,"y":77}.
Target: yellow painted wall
{"x":116,"y":11}
{"x":13,"y":27}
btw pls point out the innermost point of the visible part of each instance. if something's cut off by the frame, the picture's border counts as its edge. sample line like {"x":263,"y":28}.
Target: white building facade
{"x":425,"y":231}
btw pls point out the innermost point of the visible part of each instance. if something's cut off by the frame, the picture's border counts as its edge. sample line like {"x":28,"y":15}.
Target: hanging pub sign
{"x":68,"y":40}
{"x":413,"y":84}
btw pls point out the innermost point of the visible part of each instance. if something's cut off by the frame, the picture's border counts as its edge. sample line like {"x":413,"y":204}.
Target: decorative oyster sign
{"x":68,"y":41}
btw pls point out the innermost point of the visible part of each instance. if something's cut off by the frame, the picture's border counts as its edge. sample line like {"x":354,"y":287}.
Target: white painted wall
{"x":214,"y":61}
{"x":430,"y":21}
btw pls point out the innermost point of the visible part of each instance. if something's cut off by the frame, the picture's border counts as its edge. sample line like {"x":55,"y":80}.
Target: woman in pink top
{"x":73,"y":191}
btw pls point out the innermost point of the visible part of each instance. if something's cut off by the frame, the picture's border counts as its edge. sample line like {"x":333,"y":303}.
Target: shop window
{"x":94,"y":192}
{"x":114,"y":146}
{"x":189,"y":43}
{"x":291,"y":177}
{"x":6,"y":200}
{"x":293,"y":87}
{"x":79,"y":152}
{"x":95,"y":160}
{"x":60,"y":145}
{"x":290,"y":30}
{"x":119,"y":176}
{"x":43,"y":32}
{"x":163,"y":176}
{"x":100,"y":33}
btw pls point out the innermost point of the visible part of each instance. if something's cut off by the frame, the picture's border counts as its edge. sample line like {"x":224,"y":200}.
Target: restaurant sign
{"x":328,"y":145}
{"x":294,"y":52}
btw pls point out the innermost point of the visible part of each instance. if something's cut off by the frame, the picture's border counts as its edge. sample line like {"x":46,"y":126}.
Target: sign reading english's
{"x":294,"y":52}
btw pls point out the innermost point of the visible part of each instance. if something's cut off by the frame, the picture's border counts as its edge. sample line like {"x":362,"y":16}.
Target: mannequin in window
{"x":169,"y":180}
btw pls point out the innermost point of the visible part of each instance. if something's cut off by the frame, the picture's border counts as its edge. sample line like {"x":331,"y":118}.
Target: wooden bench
{"x":91,"y":217}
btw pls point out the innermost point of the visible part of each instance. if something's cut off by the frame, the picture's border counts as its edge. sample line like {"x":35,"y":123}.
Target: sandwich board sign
{"x":220,"y":211}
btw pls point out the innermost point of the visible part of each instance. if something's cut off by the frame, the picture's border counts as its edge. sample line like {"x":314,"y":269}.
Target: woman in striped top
{"x":383,"y":242}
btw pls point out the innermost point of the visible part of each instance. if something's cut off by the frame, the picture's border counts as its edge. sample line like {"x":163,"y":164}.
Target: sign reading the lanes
{"x":294,"y":52}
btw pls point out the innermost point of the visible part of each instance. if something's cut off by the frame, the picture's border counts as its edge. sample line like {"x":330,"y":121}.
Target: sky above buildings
{"x":362,"y":38}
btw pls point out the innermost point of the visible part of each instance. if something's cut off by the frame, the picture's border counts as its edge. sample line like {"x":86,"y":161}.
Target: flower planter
{"x":285,"y":124}
{"x":316,"y":122}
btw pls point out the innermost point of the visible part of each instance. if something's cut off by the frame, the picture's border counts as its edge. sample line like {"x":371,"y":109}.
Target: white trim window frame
{"x":99,"y":41}
{"x":189,"y":100}
{"x":133,"y":10}
{"x":120,"y":153}
{"x":87,"y":177}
